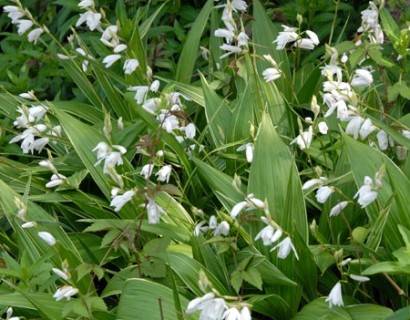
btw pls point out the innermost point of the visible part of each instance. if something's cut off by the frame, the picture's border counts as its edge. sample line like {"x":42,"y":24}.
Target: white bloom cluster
{"x":370,"y":24}
{"x":16,"y":13}
{"x":221,"y":228}
{"x":271,"y":234}
{"x":112,"y":157}
{"x":215,"y":308}
{"x":33,"y":137}
{"x":235,"y":40}
{"x":367,"y":192}
{"x":273,"y":73}
{"x":290,"y":35}
{"x":90,"y":17}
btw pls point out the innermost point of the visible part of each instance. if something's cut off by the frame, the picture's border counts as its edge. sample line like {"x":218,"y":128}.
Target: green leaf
{"x":189,"y":52}
{"x":140,"y":298}
{"x":319,"y":309}
{"x":389,"y":26}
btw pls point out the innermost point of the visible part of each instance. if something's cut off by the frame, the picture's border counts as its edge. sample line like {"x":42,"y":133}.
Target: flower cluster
{"x":216,"y":308}
{"x":218,"y":229}
{"x":370,"y":24}
{"x":36,"y":134}
{"x":235,"y":39}
{"x":291,"y":35}
{"x":16,"y":14}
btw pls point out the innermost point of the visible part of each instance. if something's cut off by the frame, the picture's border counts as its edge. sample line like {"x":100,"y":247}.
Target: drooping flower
{"x":47,"y":237}
{"x":110,"y":59}
{"x":119,"y":201}
{"x":164,"y":173}
{"x":338,"y":208}
{"x":190,"y":131}
{"x":383,"y":140}
{"x":286,"y":36}
{"x":56,"y":180}
{"x":308,"y":43}
{"x":225,"y":33}
{"x":120,"y":48}
{"x":92,"y":19}
{"x":229,"y":50}
{"x":130,"y":65}
{"x":154,"y":86}
{"x":34,"y":35}
{"x":304,"y":139}
{"x":242,"y":39}
{"x":359,"y":278}
{"x":366,"y":193}
{"x":84,"y":4}
{"x":248,"y":147}
{"x":239,"y":5}
{"x":222,"y":229}
{"x":362,"y":78}
{"x":284,"y":247}
{"x":23,"y":25}
{"x":269,"y":235}
{"x":250,"y":202}
{"x":335,"y":296}
{"x":323,"y":128}
{"x":65,"y":292}
{"x":271,"y":74}
{"x":366,"y":128}
{"x":323,"y":193}
{"x":146,"y":170}
{"x":353,"y":127}
{"x":154,"y":211}
{"x":62,"y":274}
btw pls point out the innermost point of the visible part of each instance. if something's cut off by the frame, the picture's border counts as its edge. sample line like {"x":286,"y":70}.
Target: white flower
{"x":366,"y":128}
{"x":140,"y":92}
{"x":323,"y":193}
{"x":342,"y":112}
{"x":312,"y":182}
{"x":102,"y":150}
{"x":154,"y":86}
{"x":308,"y":43}
{"x":151,"y":105}
{"x":34,"y":35}
{"x":130,"y":65}
{"x":60,"y":273}
{"x":47,"y":237}
{"x":366,"y":194}
{"x":242,"y":39}
{"x":110,"y":59}
{"x":230,"y":49}
{"x":23,"y":26}
{"x":222,"y":229}
{"x":225,"y":33}
{"x":335,"y":296}
{"x":304,"y":139}
{"x":284,"y":247}
{"x":246,"y":313}
{"x":353,"y":127}
{"x":109,"y":36}
{"x":269,"y":235}
{"x":383,"y":140}
{"x":29,"y":224}
{"x":271,"y":74}
{"x":56,"y":180}
{"x":92,"y":20}
{"x":362,"y":78}
{"x":146,"y":170}
{"x":86,"y":4}
{"x":65,"y":292}
{"x":27,"y":95}
{"x":232,"y":314}
{"x":154,"y":212}
{"x":13,"y":12}
{"x":338,"y":208}
{"x":239,"y":5}
{"x":164,"y":173}
{"x":168,"y":122}
{"x":120,"y":48}
{"x":288,"y":35}
{"x":190,"y":131}
{"x":359,"y":278}
{"x":198,"y":303}
{"x":238,"y":208}
{"x":248,"y":147}
{"x":323,"y":128}
{"x":344,"y":58}
{"x":119,"y":201}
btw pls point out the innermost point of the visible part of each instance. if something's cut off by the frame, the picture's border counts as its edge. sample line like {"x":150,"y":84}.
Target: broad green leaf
{"x":319,"y":309}
{"x":274,"y":177}
{"x":217,"y":113}
{"x":141,"y":297}
{"x":84,"y":139}
{"x":389,"y":25}
{"x":189,"y":53}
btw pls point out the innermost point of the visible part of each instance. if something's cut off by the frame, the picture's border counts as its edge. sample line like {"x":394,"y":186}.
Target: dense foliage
{"x":204,"y":160}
